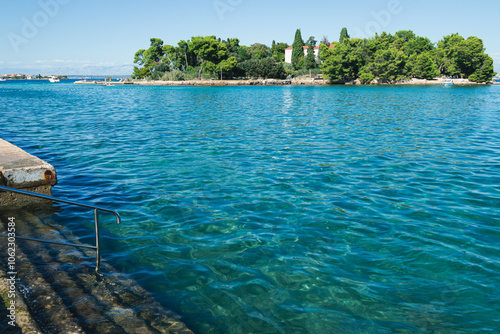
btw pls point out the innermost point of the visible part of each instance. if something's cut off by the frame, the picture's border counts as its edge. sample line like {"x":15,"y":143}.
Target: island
{"x":400,"y":58}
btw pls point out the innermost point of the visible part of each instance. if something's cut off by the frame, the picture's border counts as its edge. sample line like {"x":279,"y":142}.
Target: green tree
{"x":310,"y":60}
{"x":259,"y":51}
{"x":418,"y":45}
{"x":227,"y":65}
{"x":146,"y":59}
{"x":279,"y":52}
{"x":244,"y":53}
{"x":139,"y":71}
{"x":312,"y":41}
{"x":344,"y":61}
{"x":409,"y":43}
{"x":446,"y":54}
{"x":209,"y":52}
{"x":263,"y":68}
{"x":155,"y":51}
{"x":389,"y":64}
{"x":272,"y":69}
{"x":485,"y":73}
{"x":470,"y":55}
{"x":251,"y":68}
{"x":343,"y":35}
{"x":365,"y":76}
{"x":298,"y":49}
{"x":233,"y":45}
{"x":459,"y":56}
{"x":172,"y":56}
{"x":188,"y":55}
{"x":384,"y":41}
{"x":422,"y":66}
{"x":159,"y":70}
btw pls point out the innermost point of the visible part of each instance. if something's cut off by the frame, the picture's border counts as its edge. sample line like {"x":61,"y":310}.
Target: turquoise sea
{"x":284,"y":209}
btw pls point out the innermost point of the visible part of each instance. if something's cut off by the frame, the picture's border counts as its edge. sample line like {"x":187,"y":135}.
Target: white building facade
{"x":288,"y":53}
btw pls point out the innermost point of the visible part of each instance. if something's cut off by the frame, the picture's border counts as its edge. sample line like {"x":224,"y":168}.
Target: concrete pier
{"x":21,"y":170}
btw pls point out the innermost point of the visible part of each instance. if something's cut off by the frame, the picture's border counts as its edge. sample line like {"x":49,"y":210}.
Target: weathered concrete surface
{"x":21,"y":170}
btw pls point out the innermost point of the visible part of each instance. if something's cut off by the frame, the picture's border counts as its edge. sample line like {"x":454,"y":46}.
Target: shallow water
{"x":284,"y":209}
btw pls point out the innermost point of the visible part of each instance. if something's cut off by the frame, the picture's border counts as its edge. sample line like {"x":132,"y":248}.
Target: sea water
{"x":369,"y":209}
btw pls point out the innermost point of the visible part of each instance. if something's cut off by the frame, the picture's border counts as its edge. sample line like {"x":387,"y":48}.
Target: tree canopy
{"x":343,"y":35}
{"x":211,"y":56}
{"x":405,"y":55}
{"x":146,"y":59}
{"x":310,"y":60}
{"x":385,"y":56}
{"x":298,"y":51}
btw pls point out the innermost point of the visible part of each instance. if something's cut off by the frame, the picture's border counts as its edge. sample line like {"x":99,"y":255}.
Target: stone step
{"x":65,"y":296}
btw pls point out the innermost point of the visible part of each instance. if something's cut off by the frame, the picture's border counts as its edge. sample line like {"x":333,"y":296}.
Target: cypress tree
{"x":310,"y":61}
{"x":298,"y":51}
{"x":343,"y":35}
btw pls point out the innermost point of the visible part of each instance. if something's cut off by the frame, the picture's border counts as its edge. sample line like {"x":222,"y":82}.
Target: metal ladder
{"x":96,"y":222}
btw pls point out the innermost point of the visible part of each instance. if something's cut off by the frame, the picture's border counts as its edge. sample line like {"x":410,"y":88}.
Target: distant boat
{"x":53,"y":79}
{"x":448,"y":83}
{"x":2,"y":79}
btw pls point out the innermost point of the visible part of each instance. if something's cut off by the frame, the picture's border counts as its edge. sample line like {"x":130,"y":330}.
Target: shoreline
{"x":278,"y":82}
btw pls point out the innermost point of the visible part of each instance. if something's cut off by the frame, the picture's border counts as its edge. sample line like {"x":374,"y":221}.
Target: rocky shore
{"x":275,"y":82}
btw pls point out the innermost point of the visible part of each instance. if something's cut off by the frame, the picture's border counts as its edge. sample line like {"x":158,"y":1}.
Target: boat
{"x":53,"y":79}
{"x":448,"y":83}
{"x":2,"y":79}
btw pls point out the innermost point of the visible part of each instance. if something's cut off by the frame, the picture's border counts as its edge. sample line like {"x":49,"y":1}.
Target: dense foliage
{"x":310,"y":60}
{"x":343,"y":35}
{"x":405,"y":55}
{"x":298,"y":51}
{"x":209,"y":57}
{"x":385,"y":57}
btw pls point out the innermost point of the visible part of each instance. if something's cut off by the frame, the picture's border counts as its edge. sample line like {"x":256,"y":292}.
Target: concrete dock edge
{"x":21,"y":170}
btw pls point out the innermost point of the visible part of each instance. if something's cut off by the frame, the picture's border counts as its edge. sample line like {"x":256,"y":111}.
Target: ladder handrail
{"x":96,"y":222}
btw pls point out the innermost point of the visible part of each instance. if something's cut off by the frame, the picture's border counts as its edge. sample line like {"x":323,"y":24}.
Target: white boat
{"x":448,"y":83}
{"x":53,"y":79}
{"x":2,"y":79}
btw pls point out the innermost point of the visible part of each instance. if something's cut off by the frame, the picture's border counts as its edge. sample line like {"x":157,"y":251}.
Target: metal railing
{"x":96,"y":222}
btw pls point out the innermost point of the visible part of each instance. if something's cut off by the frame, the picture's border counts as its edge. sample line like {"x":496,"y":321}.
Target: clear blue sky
{"x":93,"y":37}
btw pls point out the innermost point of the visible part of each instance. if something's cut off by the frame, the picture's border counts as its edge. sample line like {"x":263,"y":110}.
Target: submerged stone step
{"x":19,"y":315}
{"x":64,"y":295}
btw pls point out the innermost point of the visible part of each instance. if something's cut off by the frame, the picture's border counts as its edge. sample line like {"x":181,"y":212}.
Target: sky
{"x":100,"y":37}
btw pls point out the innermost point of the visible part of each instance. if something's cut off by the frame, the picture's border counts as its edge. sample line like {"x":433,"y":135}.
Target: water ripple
{"x":285,"y":209}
